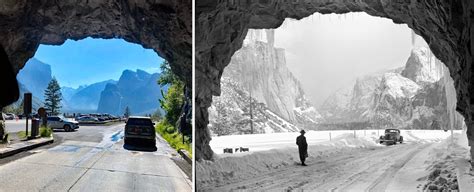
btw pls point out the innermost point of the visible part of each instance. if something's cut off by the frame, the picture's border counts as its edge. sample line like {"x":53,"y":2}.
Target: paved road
{"x":13,"y":126}
{"x":93,"y":159}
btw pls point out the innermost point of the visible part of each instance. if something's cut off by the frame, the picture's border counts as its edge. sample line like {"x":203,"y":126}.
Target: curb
{"x":13,"y":151}
{"x":185,"y":156}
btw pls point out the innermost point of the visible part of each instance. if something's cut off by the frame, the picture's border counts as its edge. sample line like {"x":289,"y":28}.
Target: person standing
{"x":302,"y":147}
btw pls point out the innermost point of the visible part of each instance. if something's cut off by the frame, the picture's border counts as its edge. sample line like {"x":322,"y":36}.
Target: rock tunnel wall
{"x":162,"y":25}
{"x":221,"y":27}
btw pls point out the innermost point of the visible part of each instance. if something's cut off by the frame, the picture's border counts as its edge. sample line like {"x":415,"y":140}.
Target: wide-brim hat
{"x":302,"y":131}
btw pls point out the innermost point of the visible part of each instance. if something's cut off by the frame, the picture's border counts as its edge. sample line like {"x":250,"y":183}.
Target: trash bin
{"x":35,"y":122}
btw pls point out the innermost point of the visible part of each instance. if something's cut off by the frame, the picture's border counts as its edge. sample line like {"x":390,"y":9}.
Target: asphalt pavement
{"x":13,"y":126}
{"x":93,"y":159}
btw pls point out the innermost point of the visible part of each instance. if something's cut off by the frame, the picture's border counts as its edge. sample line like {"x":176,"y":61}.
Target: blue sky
{"x":89,"y":60}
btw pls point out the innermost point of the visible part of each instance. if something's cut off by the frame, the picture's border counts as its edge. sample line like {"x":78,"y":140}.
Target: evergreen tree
{"x":173,"y":100}
{"x":53,"y":97}
{"x":127,"y":112}
{"x":167,"y":76}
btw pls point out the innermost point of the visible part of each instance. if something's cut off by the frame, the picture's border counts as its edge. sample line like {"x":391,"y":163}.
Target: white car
{"x":57,"y":122}
{"x":10,"y":116}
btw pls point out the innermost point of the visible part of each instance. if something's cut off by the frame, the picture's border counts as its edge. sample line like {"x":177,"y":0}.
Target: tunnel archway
{"x":222,"y":26}
{"x":164,"y":26}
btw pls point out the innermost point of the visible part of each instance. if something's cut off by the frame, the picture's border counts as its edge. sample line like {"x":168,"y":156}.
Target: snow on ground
{"x":264,"y":142}
{"x":274,"y":154}
{"x":244,"y":165}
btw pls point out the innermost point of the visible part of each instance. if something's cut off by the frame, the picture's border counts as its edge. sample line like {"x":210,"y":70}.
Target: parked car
{"x":58,"y":122}
{"x":140,"y":129}
{"x":392,"y":136}
{"x":87,"y":119}
{"x":10,"y":116}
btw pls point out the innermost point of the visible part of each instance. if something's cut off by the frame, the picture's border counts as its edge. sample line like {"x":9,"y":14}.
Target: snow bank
{"x":264,"y":142}
{"x":441,"y":162}
{"x":269,"y":152}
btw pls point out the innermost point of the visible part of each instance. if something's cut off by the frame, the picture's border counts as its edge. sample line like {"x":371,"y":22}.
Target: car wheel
{"x":67,"y":128}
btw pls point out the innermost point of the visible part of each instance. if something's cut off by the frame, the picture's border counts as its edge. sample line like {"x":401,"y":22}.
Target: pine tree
{"x":173,"y":100}
{"x":127,"y":112}
{"x":53,"y":97}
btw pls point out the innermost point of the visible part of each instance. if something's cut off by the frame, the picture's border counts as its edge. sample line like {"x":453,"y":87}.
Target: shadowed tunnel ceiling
{"x":162,"y":25}
{"x":221,"y":27}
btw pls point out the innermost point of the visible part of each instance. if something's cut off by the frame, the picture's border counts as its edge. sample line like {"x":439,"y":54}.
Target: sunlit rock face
{"x":165,"y":26}
{"x":129,"y":92}
{"x":221,"y":27}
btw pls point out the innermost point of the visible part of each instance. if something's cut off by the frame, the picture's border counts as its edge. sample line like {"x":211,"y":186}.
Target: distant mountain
{"x":258,"y":71}
{"x":229,"y":113}
{"x":36,"y":102}
{"x":35,"y":76}
{"x":137,"y":90}
{"x":261,"y":68}
{"x":416,"y":96}
{"x":68,"y":92}
{"x":86,"y":98}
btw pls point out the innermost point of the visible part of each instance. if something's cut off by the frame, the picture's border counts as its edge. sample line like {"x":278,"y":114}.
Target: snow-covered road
{"x":344,"y":164}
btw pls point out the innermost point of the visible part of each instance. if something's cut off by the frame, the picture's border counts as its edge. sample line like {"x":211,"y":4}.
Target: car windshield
{"x":132,"y":121}
{"x":392,"y":131}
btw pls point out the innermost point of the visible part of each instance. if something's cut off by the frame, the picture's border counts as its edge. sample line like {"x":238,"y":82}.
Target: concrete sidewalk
{"x":23,"y":146}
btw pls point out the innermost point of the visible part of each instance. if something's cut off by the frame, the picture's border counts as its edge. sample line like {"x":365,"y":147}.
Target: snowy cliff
{"x":419,"y":96}
{"x":258,"y":70}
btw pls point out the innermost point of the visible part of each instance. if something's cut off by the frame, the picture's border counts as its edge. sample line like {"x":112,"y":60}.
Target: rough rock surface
{"x":165,"y":26}
{"x":221,"y":27}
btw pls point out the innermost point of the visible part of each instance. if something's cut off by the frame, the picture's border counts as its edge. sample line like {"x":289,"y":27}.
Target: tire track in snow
{"x":381,"y":182}
{"x":325,"y":174}
{"x":361,"y":172}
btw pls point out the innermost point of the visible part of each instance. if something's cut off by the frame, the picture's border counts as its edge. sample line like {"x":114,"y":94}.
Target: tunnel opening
{"x":219,"y":59}
{"x":89,"y":82}
{"x":164,"y":26}
{"x":161,"y":26}
{"x":222,"y":33}
{"x":109,"y":94}
{"x":306,"y":66}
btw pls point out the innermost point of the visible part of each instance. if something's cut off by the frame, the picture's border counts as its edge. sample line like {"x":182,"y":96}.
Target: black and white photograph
{"x":333,"y":96}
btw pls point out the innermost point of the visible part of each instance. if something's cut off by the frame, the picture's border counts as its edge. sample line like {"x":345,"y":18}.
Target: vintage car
{"x":391,"y":137}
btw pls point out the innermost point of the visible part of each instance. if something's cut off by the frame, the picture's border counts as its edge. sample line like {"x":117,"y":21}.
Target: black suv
{"x":140,"y":129}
